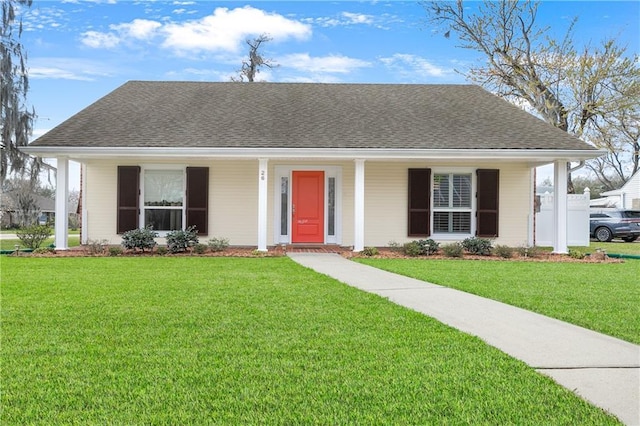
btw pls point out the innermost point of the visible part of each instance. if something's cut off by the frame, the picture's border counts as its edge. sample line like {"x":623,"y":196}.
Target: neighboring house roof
{"x":632,"y":187}
{"x":9,"y":203}
{"x":624,"y":197}
{"x":182,"y":116}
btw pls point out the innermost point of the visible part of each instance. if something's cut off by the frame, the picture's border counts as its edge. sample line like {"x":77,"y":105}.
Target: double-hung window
{"x":443,"y":203}
{"x":164,"y":192}
{"x":165,"y":198}
{"x":452,"y":203}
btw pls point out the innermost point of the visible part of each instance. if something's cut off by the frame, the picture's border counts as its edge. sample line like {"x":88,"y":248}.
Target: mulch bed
{"x":383,"y":253}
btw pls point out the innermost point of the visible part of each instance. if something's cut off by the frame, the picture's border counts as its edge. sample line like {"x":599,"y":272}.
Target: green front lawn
{"x":189,"y":340}
{"x":10,"y":244}
{"x":612,"y":247}
{"x":599,"y":296}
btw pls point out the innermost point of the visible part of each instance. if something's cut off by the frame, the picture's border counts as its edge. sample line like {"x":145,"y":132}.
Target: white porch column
{"x":262,"y":204}
{"x":560,"y":207}
{"x":62,"y":209}
{"x":84,"y":215}
{"x":358,"y":207}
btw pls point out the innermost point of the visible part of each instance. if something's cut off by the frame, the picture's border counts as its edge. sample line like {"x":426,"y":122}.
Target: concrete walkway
{"x":601,"y":369}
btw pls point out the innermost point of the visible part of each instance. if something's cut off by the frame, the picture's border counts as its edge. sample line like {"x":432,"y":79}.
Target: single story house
{"x":626,"y":197}
{"x":12,"y":214}
{"x":265,"y":164}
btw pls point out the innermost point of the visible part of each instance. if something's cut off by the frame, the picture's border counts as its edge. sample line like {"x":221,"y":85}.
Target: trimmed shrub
{"x":97,"y":247}
{"x":161,"y":250}
{"x":504,"y":252}
{"x":576,"y":254}
{"x":33,"y":236}
{"x":115,"y":251}
{"x":421,"y":247}
{"x":529,"y":251}
{"x":452,"y":250}
{"x":479,"y":246}
{"x":218,"y":244}
{"x":370,"y":251}
{"x":428,"y":247}
{"x":412,"y":248}
{"x":199,"y":248}
{"x":141,"y":238}
{"x":180,"y":240}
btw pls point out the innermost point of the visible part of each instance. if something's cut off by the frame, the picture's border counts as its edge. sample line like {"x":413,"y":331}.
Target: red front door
{"x":308,"y":207}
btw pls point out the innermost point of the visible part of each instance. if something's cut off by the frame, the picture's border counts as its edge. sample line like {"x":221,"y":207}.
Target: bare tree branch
{"x":594,"y":95}
{"x":251,"y":67}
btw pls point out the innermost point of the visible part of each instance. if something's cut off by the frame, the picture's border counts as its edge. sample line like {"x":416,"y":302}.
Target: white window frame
{"x":454,"y":171}
{"x":162,"y":167}
{"x":281,"y":171}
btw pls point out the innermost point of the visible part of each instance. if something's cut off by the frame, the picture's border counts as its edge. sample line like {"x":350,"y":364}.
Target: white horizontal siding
{"x":386,"y":195}
{"x":233,"y":200}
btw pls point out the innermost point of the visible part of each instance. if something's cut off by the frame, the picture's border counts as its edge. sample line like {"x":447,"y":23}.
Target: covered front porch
{"x":351,"y":208}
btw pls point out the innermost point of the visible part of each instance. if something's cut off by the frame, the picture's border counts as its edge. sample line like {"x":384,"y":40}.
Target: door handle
{"x":293,"y":209}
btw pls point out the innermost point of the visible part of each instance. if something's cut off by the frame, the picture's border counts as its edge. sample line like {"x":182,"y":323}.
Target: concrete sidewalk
{"x":601,"y":369}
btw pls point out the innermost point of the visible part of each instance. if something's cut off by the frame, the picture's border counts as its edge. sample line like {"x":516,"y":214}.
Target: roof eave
{"x":538,"y":155}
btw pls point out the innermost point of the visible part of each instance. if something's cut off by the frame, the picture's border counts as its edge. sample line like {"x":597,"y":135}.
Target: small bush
{"x":412,"y":248}
{"x":97,"y":247}
{"x":33,"y":236}
{"x":394,"y":246}
{"x":576,"y":254}
{"x":141,"y":238}
{"x":479,"y":246}
{"x":370,"y":251}
{"x":452,"y":250}
{"x":180,"y":240}
{"x":504,"y":252}
{"x":218,"y":244}
{"x":43,"y":250}
{"x":115,"y":251}
{"x":199,"y":248}
{"x":529,"y":251}
{"x":161,"y":250}
{"x":428,"y":247}
{"x":421,"y":247}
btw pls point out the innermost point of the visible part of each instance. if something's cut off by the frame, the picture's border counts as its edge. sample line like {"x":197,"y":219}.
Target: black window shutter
{"x":198,"y":198}
{"x":487,"y":214}
{"x":128,"y":198}
{"x":419,"y":202}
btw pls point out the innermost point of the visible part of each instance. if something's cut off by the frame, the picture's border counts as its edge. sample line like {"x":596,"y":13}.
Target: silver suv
{"x":607,"y":224}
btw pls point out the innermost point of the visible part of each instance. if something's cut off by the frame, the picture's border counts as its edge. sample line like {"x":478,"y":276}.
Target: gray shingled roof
{"x":296,"y":115}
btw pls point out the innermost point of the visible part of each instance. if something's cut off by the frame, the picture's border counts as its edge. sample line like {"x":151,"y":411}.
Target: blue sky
{"x":78,"y":51}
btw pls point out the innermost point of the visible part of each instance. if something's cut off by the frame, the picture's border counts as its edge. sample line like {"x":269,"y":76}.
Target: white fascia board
{"x":533,"y":155}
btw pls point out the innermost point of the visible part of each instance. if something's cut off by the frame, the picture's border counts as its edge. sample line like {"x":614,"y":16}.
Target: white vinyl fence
{"x":577,"y":220}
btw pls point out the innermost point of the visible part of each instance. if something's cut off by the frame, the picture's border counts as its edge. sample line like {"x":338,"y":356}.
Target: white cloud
{"x":414,"y":65}
{"x":226,"y":30}
{"x":325,"y":64}
{"x":357,"y":18}
{"x":223,"y":31}
{"x":349,"y":18}
{"x":56,"y":73}
{"x":98,"y":40}
{"x":140,"y":29}
{"x":67,"y":69}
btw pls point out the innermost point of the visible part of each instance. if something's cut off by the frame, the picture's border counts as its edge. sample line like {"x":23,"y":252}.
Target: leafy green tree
{"x":592,"y":93}
{"x":16,"y":120}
